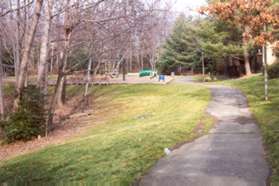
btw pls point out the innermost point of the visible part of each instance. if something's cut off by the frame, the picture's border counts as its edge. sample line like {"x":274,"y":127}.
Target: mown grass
{"x":267,"y":115}
{"x":141,"y":122}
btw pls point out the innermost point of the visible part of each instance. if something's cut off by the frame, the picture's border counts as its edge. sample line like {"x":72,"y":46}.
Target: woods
{"x":45,"y":38}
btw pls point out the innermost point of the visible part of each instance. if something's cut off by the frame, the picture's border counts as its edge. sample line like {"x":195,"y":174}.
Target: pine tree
{"x":180,"y":49}
{"x":217,"y":41}
{"x":190,"y":38}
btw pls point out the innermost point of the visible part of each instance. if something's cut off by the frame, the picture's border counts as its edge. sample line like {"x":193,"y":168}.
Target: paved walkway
{"x":230,"y":155}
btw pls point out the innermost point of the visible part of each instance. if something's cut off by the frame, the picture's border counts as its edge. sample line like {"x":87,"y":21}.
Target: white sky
{"x":186,"y":6}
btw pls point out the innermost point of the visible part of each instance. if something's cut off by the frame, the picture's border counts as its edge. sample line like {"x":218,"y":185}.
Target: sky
{"x":186,"y":6}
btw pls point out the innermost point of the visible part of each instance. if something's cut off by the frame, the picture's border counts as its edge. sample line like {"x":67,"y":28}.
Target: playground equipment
{"x":145,"y":72}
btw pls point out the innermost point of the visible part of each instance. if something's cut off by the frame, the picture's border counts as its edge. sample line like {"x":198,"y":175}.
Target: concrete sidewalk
{"x":232,"y":153}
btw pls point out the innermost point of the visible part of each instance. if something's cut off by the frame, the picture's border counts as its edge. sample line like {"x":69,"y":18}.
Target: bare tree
{"x":27,"y":49}
{"x":42,"y":80}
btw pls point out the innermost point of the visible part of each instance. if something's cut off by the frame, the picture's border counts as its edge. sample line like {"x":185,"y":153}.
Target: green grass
{"x":267,"y":115}
{"x":138,"y":123}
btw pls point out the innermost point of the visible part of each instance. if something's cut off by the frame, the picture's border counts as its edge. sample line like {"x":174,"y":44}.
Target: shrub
{"x":29,"y":121}
{"x":273,"y":71}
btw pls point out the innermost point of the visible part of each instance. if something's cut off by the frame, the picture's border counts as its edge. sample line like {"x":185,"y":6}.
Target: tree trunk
{"x":17,"y":45}
{"x":152,"y":58}
{"x":2,"y":113}
{"x":247,"y":61}
{"x":51,"y":59}
{"x":246,"y":55}
{"x":43,"y":65}
{"x":141,"y":60}
{"x":118,"y":63}
{"x":58,"y":89}
{"x":64,"y":61}
{"x":130,"y":60}
{"x":88,"y":78}
{"x":42,"y":79}
{"x":26,"y":51}
{"x":138,"y":62}
{"x":53,"y":101}
{"x":60,"y":92}
{"x":97,"y":68}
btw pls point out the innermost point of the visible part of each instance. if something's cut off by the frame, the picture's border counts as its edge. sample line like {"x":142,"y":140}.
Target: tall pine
{"x":180,"y":49}
{"x":190,"y":38}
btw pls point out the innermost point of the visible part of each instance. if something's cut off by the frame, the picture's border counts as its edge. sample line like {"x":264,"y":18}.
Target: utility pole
{"x":203,"y":66}
{"x":124,"y":70}
{"x":265,"y":65}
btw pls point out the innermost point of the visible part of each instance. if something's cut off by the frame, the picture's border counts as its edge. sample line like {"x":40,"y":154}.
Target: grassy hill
{"x":141,"y":121}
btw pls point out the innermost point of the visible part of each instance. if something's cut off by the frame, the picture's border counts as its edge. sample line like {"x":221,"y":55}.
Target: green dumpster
{"x":145,"y":72}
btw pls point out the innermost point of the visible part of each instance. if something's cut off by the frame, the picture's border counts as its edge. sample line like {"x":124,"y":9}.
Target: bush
{"x":29,"y":121}
{"x":273,"y":71}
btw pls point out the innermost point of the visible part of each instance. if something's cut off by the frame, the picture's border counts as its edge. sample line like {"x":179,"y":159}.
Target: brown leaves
{"x":275,"y":13}
{"x":223,"y":11}
{"x":261,"y":39}
{"x":254,"y":14}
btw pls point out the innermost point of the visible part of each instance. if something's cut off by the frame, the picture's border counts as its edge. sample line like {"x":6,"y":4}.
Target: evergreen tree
{"x":180,"y":49}
{"x":217,"y":43}
{"x":217,"y":40}
{"x":191,"y":38}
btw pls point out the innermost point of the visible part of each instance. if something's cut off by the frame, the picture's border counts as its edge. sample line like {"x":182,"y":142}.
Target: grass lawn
{"x":141,"y":120}
{"x":267,"y":115}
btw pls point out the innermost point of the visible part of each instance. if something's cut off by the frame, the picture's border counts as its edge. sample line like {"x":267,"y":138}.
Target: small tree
{"x":29,"y":120}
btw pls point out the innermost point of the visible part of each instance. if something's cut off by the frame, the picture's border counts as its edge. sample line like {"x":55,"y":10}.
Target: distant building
{"x":271,"y":57}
